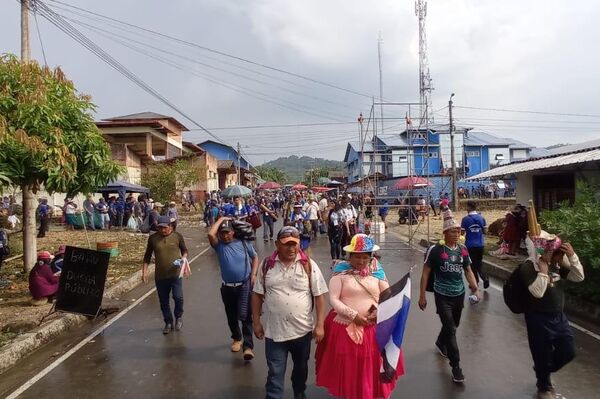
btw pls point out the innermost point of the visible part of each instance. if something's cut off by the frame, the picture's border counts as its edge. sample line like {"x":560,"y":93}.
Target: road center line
{"x":86,"y":340}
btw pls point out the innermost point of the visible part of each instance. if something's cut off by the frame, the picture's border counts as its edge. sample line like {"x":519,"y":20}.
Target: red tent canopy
{"x":299,"y":187}
{"x":321,"y":189}
{"x":270,"y":185}
{"x":407,"y":183}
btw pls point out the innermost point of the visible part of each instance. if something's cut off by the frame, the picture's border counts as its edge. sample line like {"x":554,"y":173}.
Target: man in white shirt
{"x":349,"y":215}
{"x":313,"y":214}
{"x":323,"y":206}
{"x":289,"y":284}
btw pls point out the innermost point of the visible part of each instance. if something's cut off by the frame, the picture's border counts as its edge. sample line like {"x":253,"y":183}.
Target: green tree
{"x":48,"y":138}
{"x":269,"y":173}
{"x":168,"y":178}
{"x":579,"y":224}
{"x":311,"y":176}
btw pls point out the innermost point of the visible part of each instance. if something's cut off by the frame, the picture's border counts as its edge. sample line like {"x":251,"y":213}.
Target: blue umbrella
{"x":236,"y":191}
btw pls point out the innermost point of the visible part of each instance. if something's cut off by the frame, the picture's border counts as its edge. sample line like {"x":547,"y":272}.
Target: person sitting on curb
{"x":43,"y":282}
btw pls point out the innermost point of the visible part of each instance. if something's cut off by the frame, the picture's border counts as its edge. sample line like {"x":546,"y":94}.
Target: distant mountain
{"x":294,"y":166}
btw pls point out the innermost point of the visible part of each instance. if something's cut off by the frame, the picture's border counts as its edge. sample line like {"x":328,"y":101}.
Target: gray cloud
{"x":535,"y":55}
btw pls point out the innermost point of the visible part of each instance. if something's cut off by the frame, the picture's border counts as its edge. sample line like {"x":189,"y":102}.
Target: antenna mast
{"x":379,"y":42}
{"x":425,"y":87}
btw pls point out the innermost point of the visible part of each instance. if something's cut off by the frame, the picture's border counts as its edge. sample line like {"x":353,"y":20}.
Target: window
{"x":402,"y":158}
{"x":433,"y":155}
{"x":472,"y":154}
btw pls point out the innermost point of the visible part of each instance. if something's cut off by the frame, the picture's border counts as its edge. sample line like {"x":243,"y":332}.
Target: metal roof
{"x":479,"y":138}
{"x":576,"y":147}
{"x":551,"y":161}
{"x":149,"y":116}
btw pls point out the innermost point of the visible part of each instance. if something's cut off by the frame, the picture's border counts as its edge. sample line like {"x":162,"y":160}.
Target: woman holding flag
{"x":348,"y":361}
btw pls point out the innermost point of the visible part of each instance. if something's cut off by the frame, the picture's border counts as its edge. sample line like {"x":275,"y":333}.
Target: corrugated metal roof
{"x":552,"y":161}
{"x":479,"y":138}
{"x":575,"y":147}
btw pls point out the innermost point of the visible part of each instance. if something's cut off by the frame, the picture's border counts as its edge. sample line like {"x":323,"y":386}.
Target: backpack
{"x":515,"y":292}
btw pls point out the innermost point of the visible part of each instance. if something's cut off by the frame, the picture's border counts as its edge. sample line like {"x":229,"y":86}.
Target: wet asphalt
{"x":132,"y":358}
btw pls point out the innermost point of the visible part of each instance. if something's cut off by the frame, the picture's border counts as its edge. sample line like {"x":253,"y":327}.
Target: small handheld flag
{"x":392,"y":313}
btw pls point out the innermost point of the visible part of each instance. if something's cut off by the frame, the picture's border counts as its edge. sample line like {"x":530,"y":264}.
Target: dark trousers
{"x":267,"y":224}
{"x":551,"y":343}
{"x":277,"y":355}
{"x":231,"y":297}
{"x":44,"y":226}
{"x":335,"y":245}
{"x":174,"y":287}
{"x":315,"y":227}
{"x":476,"y":255}
{"x":449,"y":309}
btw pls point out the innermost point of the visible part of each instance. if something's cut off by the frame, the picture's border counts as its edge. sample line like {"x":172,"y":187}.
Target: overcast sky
{"x":519,"y":55}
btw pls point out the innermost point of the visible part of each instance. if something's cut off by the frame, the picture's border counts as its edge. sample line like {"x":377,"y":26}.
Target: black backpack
{"x":515,"y":292}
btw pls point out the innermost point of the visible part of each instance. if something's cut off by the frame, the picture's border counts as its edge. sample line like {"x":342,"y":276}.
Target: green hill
{"x":294,"y":166}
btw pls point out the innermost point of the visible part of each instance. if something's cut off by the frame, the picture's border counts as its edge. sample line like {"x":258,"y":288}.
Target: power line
{"x":279,"y":126}
{"x":140,"y":34}
{"x":71,"y":31}
{"x":220,"y":52}
{"x":37,"y":28}
{"x":528,"y":112}
{"x":165,"y":51}
{"x":240,"y":89}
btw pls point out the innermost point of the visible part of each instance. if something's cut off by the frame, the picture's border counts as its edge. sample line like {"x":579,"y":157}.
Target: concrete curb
{"x":29,"y":342}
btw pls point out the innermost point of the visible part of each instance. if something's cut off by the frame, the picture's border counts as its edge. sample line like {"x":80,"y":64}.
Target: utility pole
{"x":239,"y":173}
{"x":452,"y":156}
{"x":28,"y":196}
{"x":25,"y":49}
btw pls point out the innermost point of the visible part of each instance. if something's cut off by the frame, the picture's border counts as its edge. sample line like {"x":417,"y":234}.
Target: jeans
{"x":164,"y":288}
{"x":476,"y":254}
{"x":277,"y":354}
{"x":449,"y":310}
{"x":90,"y":220}
{"x":267,"y":223}
{"x":230,"y":297}
{"x":551,"y":343}
{"x":335,"y":245}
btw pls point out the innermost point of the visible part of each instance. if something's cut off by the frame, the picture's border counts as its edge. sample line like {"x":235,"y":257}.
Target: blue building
{"x":228,"y":165}
{"x":427,"y":152}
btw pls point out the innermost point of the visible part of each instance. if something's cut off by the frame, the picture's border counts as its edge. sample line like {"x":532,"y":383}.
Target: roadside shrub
{"x":580,"y":225}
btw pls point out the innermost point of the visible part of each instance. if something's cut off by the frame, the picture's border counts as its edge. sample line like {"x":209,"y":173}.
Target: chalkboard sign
{"x":81,"y":284}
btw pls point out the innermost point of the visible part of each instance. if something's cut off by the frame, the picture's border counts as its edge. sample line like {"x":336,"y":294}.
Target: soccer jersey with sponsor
{"x":448,"y":265}
{"x":473,"y":225}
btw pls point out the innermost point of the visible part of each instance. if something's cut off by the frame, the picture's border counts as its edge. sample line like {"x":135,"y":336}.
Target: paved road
{"x":132,"y":359}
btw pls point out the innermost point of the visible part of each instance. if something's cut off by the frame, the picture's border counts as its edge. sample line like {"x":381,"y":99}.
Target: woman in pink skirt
{"x":348,"y":361}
